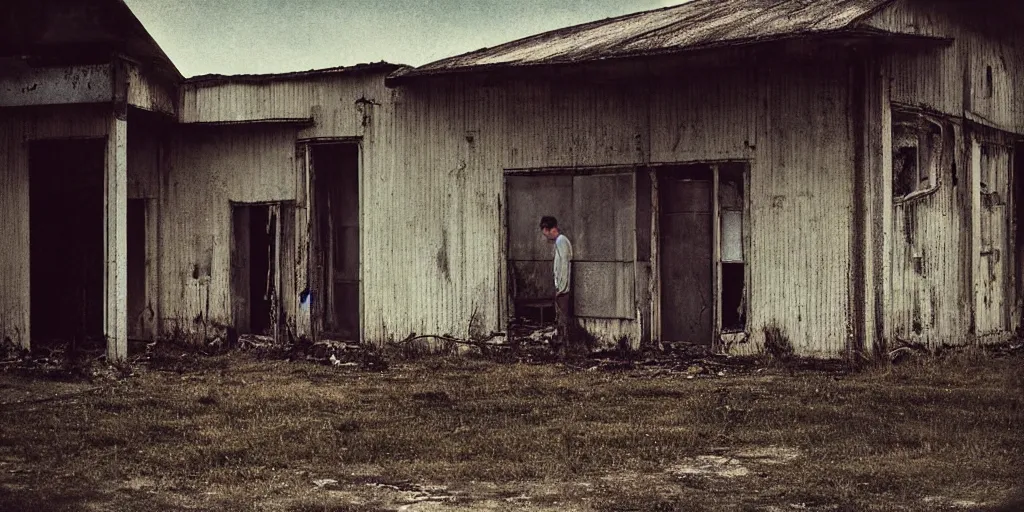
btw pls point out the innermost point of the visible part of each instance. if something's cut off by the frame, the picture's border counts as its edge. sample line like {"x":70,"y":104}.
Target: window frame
{"x":929,"y":152}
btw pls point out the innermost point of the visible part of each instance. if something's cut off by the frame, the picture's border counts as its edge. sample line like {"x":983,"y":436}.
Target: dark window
{"x":988,"y":81}
{"x":917,"y":144}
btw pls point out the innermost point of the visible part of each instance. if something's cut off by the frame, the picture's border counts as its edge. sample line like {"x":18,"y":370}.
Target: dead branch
{"x":485,"y":342}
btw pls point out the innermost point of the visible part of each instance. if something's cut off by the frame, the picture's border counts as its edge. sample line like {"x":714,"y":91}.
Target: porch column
{"x":115,"y":251}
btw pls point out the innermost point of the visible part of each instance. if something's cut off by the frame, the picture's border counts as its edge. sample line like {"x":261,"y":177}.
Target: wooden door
{"x":686,"y":256}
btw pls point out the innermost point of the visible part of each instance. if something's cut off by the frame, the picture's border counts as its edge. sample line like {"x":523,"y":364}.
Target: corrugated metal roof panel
{"x":696,"y":24}
{"x":215,"y":79}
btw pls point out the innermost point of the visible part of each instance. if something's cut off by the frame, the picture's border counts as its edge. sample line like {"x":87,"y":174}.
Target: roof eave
{"x":217,"y":79}
{"x":406,"y":76}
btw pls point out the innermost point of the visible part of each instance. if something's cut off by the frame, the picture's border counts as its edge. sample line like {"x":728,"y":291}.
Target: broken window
{"x":730,"y":191}
{"x":917,"y":151}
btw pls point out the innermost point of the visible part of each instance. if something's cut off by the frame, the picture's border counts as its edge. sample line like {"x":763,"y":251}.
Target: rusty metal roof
{"x":693,"y":25}
{"x":372,"y":67}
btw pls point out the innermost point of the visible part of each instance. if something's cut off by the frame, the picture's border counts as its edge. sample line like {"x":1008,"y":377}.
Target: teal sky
{"x":272,"y":36}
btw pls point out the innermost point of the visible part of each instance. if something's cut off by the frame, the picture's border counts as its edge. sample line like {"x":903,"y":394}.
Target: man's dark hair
{"x":548,"y":222}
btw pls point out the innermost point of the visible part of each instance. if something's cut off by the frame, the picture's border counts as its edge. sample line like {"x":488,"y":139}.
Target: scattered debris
{"x":1015,"y":348}
{"x":710,"y":465}
{"x":771,"y":455}
{"x":253,"y":341}
{"x":942,"y":501}
{"x":907,"y":349}
{"x":544,"y":335}
{"x":735,"y":464}
{"x":409,"y":495}
{"x":325,"y":482}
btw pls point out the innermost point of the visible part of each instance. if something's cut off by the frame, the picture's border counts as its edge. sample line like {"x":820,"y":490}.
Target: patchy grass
{"x":232,"y":433}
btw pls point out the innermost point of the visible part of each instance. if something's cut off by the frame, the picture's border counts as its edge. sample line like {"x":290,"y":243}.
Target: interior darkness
{"x":336,"y":196}
{"x":66,"y":240}
{"x":260,"y":244}
{"x":535,"y":312}
{"x":733,"y":310}
{"x":136,"y":265}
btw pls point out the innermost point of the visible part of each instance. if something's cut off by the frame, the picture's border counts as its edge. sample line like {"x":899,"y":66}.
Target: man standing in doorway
{"x":563,"y":283}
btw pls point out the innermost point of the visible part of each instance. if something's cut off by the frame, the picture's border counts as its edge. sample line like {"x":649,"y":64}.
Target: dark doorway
{"x":137,"y":303}
{"x":66,"y":240}
{"x":335,"y":258}
{"x":686,"y":257}
{"x":255,"y":304}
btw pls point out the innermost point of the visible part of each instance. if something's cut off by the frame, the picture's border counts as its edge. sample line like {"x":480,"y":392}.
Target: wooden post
{"x":655,"y":284}
{"x":115,"y":251}
{"x":716,"y":259}
{"x":304,"y":248}
{"x":115,"y":217}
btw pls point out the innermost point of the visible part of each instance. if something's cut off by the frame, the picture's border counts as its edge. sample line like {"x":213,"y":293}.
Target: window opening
{"x":731,"y":206}
{"x":917,"y":145}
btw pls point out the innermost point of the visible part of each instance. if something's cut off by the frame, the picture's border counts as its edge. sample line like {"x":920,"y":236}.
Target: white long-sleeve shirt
{"x":563,"y":260}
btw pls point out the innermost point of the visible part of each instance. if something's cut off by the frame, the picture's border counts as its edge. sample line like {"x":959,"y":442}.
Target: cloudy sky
{"x":271,"y":36}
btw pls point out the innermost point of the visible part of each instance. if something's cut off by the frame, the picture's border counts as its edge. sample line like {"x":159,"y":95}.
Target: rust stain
{"x":443,"y":263}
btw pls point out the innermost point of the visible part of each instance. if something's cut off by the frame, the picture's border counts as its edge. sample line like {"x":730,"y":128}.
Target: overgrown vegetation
{"x":180,"y":430}
{"x":776,"y":344}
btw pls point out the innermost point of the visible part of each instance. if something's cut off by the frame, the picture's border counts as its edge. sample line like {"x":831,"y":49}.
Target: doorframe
{"x":277,"y":262}
{"x":655,"y":283}
{"x":717,"y":342}
{"x":307,"y":226}
{"x":105,"y":141}
{"x":507,"y":296}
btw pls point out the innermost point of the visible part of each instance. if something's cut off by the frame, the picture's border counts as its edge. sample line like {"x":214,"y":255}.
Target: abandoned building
{"x":839,"y":174}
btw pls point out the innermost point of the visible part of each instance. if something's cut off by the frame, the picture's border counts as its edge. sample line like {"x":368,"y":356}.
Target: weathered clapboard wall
{"x":241,"y":141}
{"x":441,"y":192}
{"x":954,"y":79}
{"x":930,"y":294}
{"x":205,"y":170}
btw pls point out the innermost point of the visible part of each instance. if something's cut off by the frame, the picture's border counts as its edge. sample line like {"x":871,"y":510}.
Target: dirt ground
{"x":245,"y":431}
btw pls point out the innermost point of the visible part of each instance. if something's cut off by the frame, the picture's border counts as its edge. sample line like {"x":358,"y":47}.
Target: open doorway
{"x":702,"y":251}
{"x":255,"y":260}
{"x":335,"y":240}
{"x":66,"y":241}
{"x":137,"y":299}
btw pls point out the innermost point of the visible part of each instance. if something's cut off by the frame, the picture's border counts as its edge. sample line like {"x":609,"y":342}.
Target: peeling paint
{"x":25,"y":86}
